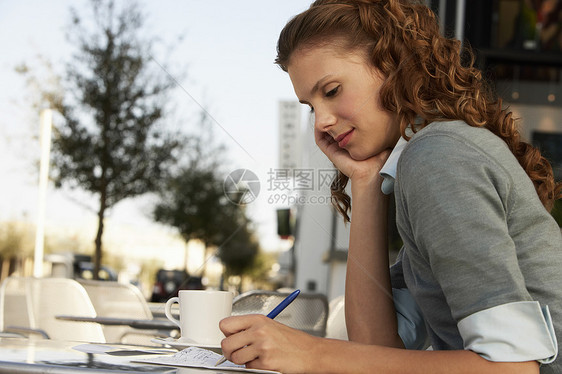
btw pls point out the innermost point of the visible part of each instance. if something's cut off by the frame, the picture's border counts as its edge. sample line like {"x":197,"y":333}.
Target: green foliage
{"x":193,"y":201}
{"x":112,"y":101}
{"x":239,"y":254}
{"x":110,"y":142}
{"x":16,"y":240}
{"x":260,"y":273}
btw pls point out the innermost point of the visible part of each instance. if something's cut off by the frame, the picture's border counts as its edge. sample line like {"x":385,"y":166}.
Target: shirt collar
{"x":388,"y":171}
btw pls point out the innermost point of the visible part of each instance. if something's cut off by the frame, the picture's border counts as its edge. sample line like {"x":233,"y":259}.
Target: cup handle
{"x":168,"y":310}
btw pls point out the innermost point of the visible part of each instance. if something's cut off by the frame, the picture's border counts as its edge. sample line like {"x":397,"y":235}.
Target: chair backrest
{"x":308,"y":312}
{"x":14,"y":303}
{"x":114,"y":299}
{"x":336,"y":328}
{"x":44,"y":299}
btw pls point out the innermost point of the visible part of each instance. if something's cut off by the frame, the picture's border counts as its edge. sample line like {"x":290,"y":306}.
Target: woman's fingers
{"x":338,"y":156}
{"x":243,"y":355}
{"x":235,"y":324}
{"x":260,"y":342}
{"x":232,"y":325}
{"x":327,"y":144}
{"x":241,"y":333}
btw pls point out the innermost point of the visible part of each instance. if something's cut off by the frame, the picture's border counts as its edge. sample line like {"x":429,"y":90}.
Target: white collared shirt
{"x":388,"y":171}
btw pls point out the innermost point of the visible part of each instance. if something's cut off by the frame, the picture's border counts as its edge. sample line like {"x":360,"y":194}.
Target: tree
{"x":111,"y":142}
{"x":240,"y":252}
{"x":16,"y":244}
{"x":194,"y":202}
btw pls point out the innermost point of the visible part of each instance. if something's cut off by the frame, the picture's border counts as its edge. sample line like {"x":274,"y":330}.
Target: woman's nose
{"x":323,"y":120}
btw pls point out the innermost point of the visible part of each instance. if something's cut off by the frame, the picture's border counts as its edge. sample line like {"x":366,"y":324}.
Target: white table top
{"x":19,"y":355}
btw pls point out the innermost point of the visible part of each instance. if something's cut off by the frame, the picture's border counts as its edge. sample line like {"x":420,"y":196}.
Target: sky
{"x":227,"y":49}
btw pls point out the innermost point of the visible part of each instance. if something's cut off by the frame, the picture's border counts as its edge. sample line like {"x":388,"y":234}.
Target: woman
{"x":396,"y":110}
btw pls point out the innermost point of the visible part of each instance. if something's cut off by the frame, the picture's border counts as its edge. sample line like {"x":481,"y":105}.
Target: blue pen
{"x":283,"y":304}
{"x":274,"y":313}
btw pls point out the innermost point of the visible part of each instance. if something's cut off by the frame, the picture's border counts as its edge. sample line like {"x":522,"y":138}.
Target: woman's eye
{"x":311,"y":109}
{"x":333,"y":91}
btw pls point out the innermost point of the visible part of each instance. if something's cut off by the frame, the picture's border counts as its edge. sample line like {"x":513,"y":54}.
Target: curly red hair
{"x":426,"y":75}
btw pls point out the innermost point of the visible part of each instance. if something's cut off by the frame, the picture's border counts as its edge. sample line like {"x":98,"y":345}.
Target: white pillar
{"x":459,"y":20}
{"x":442,"y":15}
{"x":46,"y":124}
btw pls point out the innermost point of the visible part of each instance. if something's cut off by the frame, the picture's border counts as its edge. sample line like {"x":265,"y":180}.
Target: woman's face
{"x":343,"y":91}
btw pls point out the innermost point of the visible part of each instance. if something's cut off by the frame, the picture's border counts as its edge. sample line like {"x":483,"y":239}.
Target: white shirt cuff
{"x":513,"y":332}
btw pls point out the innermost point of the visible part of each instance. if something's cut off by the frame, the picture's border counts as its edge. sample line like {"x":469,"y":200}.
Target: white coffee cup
{"x":200,"y":314}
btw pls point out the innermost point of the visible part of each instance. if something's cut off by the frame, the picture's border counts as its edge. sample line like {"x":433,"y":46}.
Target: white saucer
{"x":180,"y":344}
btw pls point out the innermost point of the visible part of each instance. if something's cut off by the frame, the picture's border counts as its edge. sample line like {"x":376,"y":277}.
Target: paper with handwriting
{"x":199,"y":358}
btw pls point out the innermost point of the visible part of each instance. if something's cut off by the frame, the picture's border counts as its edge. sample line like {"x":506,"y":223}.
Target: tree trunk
{"x":204,"y":267}
{"x":5,"y":270}
{"x":98,"y":241}
{"x":186,"y":258}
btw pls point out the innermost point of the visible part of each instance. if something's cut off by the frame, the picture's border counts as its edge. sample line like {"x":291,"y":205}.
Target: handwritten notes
{"x":203,"y":357}
{"x":200,"y":358}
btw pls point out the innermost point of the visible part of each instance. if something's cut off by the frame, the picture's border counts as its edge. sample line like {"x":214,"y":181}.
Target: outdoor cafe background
{"x":227,"y":52}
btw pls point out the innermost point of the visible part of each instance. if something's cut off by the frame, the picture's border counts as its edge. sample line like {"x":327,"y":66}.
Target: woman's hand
{"x":262,"y":343}
{"x":356,"y":170}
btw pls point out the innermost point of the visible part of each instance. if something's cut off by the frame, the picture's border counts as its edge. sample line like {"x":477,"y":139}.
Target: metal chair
{"x":29,"y":305}
{"x":13,"y":292}
{"x":121,"y":300}
{"x":308,"y":312}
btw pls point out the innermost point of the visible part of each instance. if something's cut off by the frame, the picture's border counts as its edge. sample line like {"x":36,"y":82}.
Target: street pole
{"x":46,"y":125}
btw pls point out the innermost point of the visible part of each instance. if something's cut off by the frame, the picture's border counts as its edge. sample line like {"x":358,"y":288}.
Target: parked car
{"x":85,"y":270}
{"x":76,"y":266}
{"x":169,"y":282}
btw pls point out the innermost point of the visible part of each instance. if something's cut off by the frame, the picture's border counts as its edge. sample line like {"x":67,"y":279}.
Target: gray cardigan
{"x":475,"y":233}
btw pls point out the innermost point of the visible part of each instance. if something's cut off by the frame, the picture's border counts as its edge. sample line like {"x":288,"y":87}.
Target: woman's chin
{"x":361,"y":155}
{"x":358,"y":156}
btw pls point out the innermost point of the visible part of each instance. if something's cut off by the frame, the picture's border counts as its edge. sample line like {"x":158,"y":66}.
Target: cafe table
{"x":146,"y":324}
{"x":20,"y":356}
{"x":157,"y":310}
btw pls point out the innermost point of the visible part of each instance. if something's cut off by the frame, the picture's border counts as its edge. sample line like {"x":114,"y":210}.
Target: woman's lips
{"x":344,"y":138}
